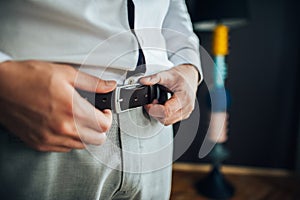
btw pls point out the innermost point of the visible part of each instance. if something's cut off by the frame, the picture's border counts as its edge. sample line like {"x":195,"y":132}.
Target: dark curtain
{"x":263,"y":79}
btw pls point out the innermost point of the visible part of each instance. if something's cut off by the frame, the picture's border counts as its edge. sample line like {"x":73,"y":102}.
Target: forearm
{"x":181,"y":42}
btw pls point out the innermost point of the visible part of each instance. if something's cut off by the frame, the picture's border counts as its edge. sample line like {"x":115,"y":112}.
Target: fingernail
{"x":110,"y":83}
{"x":147,"y":79}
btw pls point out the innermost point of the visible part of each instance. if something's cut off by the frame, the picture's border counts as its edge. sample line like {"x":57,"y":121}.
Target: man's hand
{"x":39,"y":104}
{"x":182,"y":80}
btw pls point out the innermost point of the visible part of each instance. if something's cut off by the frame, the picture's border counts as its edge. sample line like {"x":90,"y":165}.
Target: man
{"x":54,"y":143}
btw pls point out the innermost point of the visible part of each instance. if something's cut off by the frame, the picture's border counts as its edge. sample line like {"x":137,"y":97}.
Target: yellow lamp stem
{"x":220,"y":40}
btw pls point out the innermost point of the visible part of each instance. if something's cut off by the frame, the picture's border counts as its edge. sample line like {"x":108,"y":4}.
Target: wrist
{"x":197,"y":72}
{"x":193,"y":72}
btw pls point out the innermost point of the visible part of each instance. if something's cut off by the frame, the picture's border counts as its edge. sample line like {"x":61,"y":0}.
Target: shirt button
{"x":130,"y":81}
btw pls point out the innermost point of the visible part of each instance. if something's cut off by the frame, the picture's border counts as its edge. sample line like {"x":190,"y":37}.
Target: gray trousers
{"x":134,"y":163}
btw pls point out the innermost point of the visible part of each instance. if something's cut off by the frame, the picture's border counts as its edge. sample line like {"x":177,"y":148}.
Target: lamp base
{"x":215,"y":186}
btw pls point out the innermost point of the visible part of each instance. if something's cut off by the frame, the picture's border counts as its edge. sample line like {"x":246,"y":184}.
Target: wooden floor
{"x":250,"y":184}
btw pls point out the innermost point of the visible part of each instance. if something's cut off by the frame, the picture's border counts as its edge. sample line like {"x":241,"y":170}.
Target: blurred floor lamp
{"x":218,"y":16}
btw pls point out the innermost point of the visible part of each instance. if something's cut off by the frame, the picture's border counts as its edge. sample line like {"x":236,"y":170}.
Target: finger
{"x":162,"y":78}
{"x":64,"y":141}
{"x":164,"y":111}
{"x":54,"y":149}
{"x":176,"y":117}
{"x":173,"y":105}
{"x":156,"y":110}
{"x":55,"y":138}
{"x":156,"y":113}
{"x":90,"y":136}
{"x":73,"y":144}
{"x":86,"y":114}
{"x":155,"y":101}
{"x":179,"y":115}
{"x":103,"y":120}
{"x":48,"y":148}
{"x":95,"y":119}
{"x":93,"y":84}
{"x":150,"y":80}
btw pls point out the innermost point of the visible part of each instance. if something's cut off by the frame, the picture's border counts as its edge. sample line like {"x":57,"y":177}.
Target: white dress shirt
{"x":96,"y":33}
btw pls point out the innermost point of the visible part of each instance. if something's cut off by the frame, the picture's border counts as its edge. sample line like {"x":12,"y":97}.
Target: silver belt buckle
{"x":119,"y":99}
{"x":130,"y":83}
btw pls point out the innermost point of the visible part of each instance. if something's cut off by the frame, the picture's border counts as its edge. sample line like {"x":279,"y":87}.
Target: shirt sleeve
{"x":181,"y":42}
{"x":4,"y":57}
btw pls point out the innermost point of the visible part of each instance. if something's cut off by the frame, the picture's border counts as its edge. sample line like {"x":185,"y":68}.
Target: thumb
{"x":91,"y":83}
{"x":151,"y":80}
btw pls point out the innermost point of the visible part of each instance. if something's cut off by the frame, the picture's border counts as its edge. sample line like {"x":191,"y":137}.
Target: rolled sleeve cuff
{"x":4,"y":57}
{"x":188,"y":56}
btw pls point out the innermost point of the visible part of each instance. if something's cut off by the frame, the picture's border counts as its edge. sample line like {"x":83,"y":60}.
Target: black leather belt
{"x":126,"y":97}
